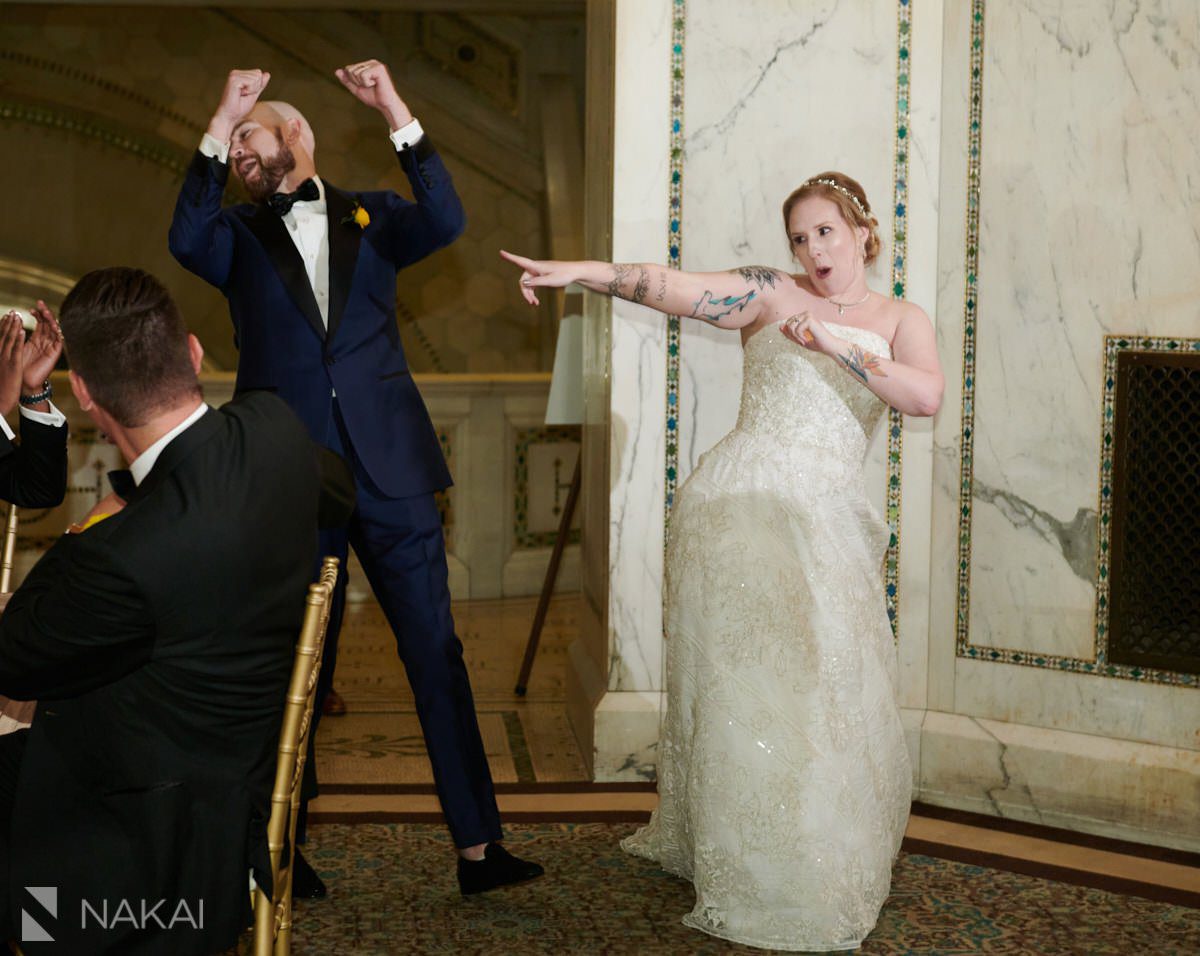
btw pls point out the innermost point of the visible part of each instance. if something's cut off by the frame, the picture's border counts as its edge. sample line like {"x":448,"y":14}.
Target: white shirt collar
{"x":140,"y":467}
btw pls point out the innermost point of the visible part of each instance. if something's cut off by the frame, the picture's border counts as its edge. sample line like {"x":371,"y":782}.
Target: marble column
{"x":771,"y":94}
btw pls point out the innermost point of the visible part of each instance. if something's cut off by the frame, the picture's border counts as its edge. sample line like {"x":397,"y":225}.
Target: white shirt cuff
{"x":408,"y":136}
{"x":8,"y":432}
{"x":213,"y":148}
{"x":54,"y":417}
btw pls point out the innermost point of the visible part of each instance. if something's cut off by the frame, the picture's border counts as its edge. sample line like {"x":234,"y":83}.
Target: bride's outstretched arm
{"x":726,"y":299}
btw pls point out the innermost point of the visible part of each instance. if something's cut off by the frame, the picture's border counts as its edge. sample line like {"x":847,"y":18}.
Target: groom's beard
{"x":270,"y":172}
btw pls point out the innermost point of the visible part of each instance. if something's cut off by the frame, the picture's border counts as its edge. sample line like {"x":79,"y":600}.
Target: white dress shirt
{"x":140,"y":467}
{"x":308,"y":226}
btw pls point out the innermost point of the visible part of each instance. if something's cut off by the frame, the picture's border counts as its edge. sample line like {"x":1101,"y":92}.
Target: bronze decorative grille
{"x":1154,"y":584}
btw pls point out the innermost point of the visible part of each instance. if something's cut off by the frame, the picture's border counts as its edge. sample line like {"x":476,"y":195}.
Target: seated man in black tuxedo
{"x":158,"y":643}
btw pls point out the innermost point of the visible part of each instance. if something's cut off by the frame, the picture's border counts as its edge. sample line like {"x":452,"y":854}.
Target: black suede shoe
{"x":306,"y":885}
{"x":497,"y":868}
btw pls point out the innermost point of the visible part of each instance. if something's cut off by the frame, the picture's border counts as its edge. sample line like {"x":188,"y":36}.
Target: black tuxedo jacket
{"x":33,"y":474}
{"x":159,"y":644}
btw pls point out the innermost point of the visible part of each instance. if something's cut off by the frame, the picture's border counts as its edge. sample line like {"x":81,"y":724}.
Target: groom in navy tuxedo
{"x":310,"y":274}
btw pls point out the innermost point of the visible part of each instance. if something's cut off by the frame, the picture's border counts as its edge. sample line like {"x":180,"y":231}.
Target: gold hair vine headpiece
{"x":842,"y":189}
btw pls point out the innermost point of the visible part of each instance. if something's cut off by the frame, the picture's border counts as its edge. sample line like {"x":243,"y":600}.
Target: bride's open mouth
{"x":822,"y":272}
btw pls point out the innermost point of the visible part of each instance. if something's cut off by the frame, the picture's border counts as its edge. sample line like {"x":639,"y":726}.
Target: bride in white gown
{"x":783,"y":777}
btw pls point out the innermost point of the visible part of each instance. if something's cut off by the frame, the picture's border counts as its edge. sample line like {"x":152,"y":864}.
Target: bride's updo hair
{"x":850,"y":198}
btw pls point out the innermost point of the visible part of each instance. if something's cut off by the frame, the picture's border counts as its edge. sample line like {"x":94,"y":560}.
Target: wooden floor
{"x":373,"y":766}
{"x":378,"y":743}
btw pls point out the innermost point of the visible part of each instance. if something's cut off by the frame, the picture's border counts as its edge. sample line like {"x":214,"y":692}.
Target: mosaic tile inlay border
{"x":525,"y":539}
{"x":895,"y":425}
{"x":674,"y":252}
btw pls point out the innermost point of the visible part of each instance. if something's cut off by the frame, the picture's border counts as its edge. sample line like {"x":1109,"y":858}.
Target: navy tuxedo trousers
{"x":400,"y":544}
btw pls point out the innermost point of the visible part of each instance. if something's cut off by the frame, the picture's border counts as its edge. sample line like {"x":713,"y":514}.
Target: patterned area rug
{"x":392,"y":891}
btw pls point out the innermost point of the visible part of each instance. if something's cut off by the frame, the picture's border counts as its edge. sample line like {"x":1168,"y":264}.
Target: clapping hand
{"x":241,"y":93}
{"x":41,"y":350}
{"x":12,"y":339}
{"x":371,"y":83}
{"x":547,"y":273}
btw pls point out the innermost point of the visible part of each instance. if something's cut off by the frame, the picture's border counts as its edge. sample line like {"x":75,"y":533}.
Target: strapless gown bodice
{"x":804,"y":400}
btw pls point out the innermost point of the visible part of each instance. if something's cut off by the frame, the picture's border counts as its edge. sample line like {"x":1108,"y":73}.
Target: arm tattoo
{"x":620,"y":274}
{"x":759,"y":275}
{"x":642,"y":286}
{"x":716,"y":309}
{"x":662,"y":286}
{"x":862,"y":363}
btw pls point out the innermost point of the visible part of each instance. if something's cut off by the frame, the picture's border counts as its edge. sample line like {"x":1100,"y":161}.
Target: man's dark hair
{"x":125,"y":338}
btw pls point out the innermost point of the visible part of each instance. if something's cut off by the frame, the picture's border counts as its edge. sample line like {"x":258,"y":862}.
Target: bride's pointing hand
{"x":547,"y":273}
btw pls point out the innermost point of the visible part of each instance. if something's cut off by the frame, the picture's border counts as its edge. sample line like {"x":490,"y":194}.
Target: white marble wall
{"x":916,"y":628}
{"x":1088,"y":160}
{"x":1088,"y":226}
{"x":626,"y":718}
{"x":774,"y":93}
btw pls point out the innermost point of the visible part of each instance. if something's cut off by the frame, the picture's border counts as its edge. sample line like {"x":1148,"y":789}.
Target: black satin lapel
{"x":344,"y":237}
{"x":273,"y":235}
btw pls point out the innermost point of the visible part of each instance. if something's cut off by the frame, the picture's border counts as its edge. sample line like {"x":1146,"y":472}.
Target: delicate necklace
{"x":843,"y":306}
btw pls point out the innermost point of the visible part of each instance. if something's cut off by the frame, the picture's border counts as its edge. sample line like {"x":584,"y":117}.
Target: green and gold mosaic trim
{"x":970,"y":303}
{"x":674,"y":252}
{"x":895,"y":443}
{"x":1099,"y":664}
{"x":525,"y":437}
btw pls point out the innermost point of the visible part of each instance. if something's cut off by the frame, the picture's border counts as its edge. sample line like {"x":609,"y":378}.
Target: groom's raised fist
{"x":242,"y":90}
{"x":371,"y":83}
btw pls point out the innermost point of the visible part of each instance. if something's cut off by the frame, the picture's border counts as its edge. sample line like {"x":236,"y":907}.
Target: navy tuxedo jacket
{"x":247,"y":253}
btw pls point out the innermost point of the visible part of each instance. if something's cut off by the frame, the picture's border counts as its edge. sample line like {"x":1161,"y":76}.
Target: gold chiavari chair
{"x":6,"y":567}
{"x":273,"y":913}
{"x":10,"y":548}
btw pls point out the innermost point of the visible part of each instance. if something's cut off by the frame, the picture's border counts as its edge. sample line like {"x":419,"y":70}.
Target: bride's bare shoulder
{"x":904,"y":318}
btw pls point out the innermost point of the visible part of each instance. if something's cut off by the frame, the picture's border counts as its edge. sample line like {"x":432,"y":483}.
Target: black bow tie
{"x":281,"y":203}
{"x":122,"y":483}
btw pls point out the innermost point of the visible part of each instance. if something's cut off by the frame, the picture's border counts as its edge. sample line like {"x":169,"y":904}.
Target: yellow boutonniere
{"x":81,"y":526}
{"x":358,"y":216}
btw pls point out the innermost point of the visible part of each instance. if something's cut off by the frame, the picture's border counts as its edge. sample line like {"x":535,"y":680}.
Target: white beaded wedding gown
{"x":783,"y":777}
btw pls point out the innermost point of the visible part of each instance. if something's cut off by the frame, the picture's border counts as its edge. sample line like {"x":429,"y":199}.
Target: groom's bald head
{"x":284,"y":120}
